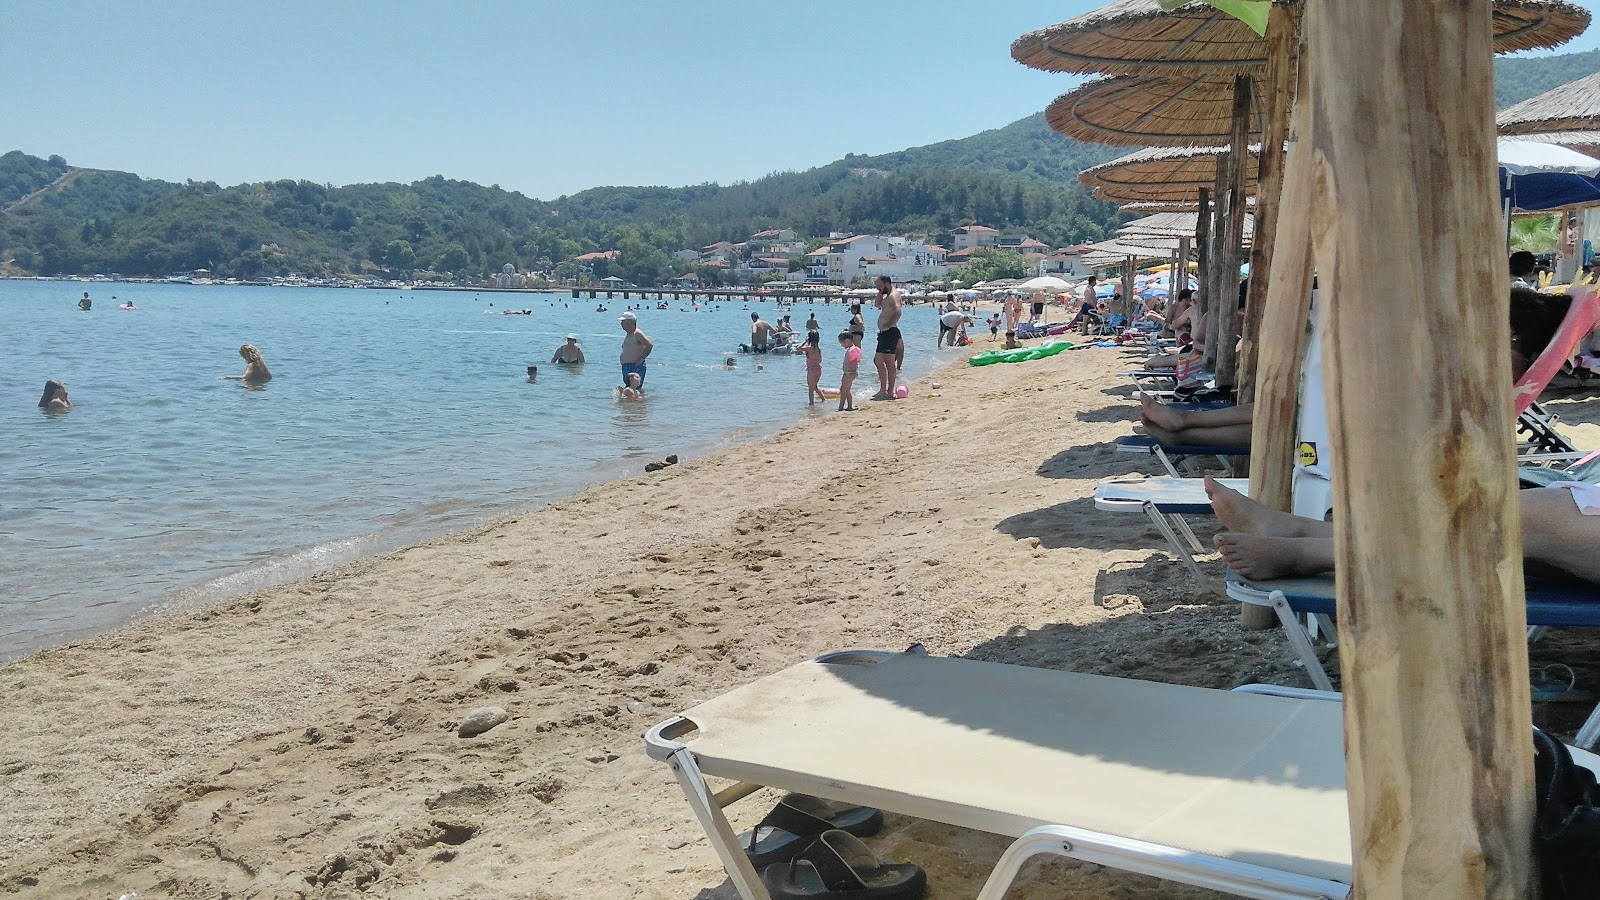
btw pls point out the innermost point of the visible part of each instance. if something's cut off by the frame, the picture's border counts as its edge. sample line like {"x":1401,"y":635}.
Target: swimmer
{"x":85,"y":304}
{"x":569,"y":353}
{"x":55,"y":396}
{"x":631,"y":390}
{"x":126,"y":304}
{"x":533,"y":374}
{"x":730,"y":363}
{"x":255,"y":369}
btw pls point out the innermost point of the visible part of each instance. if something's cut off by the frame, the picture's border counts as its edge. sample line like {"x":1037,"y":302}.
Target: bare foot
{"x":1159,"y":414}
{"x":1261,"y":558}
{"x":1242,"y":515}
{"x":880,"y":396}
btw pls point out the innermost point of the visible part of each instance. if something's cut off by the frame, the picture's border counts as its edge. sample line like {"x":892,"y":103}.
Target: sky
{"x":541,"y":97}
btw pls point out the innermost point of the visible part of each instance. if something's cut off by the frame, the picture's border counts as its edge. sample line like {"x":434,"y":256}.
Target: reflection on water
{"x":391,"y":417}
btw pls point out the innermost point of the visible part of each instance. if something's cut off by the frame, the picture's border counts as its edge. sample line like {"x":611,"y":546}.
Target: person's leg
{"x":1556,"y":534}
{"x":1171,"y":418}
{"x":1221,"y":436}
{"x":899,"y":355}
{"x":1240,"y":514}
{"x":884,"y":363}
{"x":1260,"y":558}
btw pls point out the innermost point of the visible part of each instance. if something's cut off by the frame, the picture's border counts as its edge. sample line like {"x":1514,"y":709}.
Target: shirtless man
{"x":760,"y":334}
{"x":635,"y":348}
{"x":568,"y":353}
{"x":889,"y":304}
{"x":85,"y":304}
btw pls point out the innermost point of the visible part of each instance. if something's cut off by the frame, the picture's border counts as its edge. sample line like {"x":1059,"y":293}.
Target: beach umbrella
{"x":1149,"y":110}
{"x":1169,"y":176}
{"x":1044,"y":283}
{"x":1538,"y":176}
{"x":1137,"y":36}
{"x":1572,"y":107}
{"x":1171,"y":225}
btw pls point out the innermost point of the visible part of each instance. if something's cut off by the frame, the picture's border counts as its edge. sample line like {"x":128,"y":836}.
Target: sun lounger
{"x":1550,"y":605}
{"x":1240,"y":792}
{"x":1166,"y":501}
{"x":1250,"y":801}
{"x":1172,"y":454}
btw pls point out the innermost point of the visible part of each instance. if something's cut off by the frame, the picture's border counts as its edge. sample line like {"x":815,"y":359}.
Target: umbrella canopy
{"x":1162,"y":174}
{"x":1135,"y":36}
{"x":1582,"y":141}
{"x":1170,"y":225}
{"x":1044,"y":283}
{"x":1574,"y":106}
{"x":1149,"y":110}
{"x":1535,"y":176}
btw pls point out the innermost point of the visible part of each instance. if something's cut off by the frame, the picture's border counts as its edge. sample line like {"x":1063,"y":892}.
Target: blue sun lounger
{"x":1172,"y":454}
{"x":1550,"y":605}
{"x":1166,"y":501}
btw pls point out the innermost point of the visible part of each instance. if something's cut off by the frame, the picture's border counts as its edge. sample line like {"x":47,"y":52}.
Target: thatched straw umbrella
{"x":1134,"y":36}
{"x":1169,"y":175}
{"x":1149,"y":110}
{"x":1170,"y":225}
{"x":1574,"y":106}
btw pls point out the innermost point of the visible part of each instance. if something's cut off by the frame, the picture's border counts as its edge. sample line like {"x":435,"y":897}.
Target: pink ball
{"x":901,"y":392}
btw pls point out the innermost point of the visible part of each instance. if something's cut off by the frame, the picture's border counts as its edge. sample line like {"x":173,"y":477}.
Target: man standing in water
{"x":889,"y":304}
{"x":635,"y":348}
{"x":85,"y":304}
{"x":760,"y":334}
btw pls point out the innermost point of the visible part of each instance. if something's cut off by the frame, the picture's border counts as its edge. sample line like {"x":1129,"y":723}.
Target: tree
{"x":989,"y":264}
{"x":1535,"y":234}
{"x":399,"y":256}
{"x":453,"y":259}
{"x":344,"y":218}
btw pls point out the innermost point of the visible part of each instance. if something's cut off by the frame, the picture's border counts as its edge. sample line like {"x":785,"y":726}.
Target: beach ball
{"x":901,"y":392}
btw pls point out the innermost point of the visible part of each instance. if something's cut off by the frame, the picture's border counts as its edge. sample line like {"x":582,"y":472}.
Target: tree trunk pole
{"x":1202,"y":247}
{"x":1428,"y":534}
{"x":1277,"y":103}
{"x":1233,"y":240}
{"x":1282,"y":347}
{"x":1127,"y":285}
{"x":1213,"y":272}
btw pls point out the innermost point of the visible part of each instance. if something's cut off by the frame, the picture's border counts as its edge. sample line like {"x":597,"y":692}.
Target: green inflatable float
{"x":1021,"y":354}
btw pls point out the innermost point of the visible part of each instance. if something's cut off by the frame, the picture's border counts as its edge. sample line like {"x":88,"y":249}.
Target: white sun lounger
{"x":1234,"y":792}
{"x":1166,"y":501}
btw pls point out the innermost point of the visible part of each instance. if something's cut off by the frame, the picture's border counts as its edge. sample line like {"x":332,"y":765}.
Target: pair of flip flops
{"x":809,"y":848}
{"x":838,"y":865}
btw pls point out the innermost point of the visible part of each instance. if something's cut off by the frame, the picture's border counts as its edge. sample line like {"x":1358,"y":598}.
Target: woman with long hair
{"x":255,"y":369}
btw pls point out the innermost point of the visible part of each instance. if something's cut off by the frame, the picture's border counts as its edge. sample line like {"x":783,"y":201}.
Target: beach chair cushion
{"x":1144,"y":443}
{"x":1180,"y":496}
{"x":1004,"y":749}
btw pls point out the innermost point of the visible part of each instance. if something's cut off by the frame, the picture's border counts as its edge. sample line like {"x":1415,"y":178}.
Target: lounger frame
{"x":1170,"y":524}
{"x":1302,"y":640}
{"x":1173,"y":456}
{"x":1186,"y":867}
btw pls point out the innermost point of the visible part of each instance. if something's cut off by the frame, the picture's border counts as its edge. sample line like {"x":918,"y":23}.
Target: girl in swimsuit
{"x":812,"y":348}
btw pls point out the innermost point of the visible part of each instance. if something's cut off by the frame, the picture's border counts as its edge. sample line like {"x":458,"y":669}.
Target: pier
{"x":745,"y":295}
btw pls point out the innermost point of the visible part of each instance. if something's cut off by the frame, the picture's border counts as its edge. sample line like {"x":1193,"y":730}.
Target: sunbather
{"x":1535,"y":317}
{"x":1560,"y":534}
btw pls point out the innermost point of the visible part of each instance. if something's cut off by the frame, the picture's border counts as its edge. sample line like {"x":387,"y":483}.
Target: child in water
{"x":631,"y":391}
{"x":852,"y":356}
{"x":812,"y":348}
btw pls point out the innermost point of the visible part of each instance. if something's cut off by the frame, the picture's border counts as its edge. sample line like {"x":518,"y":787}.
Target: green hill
{"x":57,"y":219}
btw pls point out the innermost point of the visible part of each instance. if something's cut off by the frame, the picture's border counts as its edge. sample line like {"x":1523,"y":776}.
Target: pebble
{"x":639,"y":707}
{"x":482,"y":719}
{"x":676,"y":868}
{"x":677,"y":845}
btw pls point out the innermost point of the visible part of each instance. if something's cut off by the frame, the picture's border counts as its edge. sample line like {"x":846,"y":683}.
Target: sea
{"x":391,"y":417}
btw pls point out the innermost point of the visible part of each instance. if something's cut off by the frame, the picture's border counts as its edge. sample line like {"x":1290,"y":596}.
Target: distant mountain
{"x":58,"y":219}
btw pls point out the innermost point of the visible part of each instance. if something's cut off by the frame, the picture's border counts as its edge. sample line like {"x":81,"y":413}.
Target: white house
{"x":865,"y":257}
{"x":969,"y":236}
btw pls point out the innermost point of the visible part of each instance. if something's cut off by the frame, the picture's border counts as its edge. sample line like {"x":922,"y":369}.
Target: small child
{"x":1011,"y":340}
{"x":631,"y":390}
{"x":533,"y":373}
{"x":812,"y":348}
{"x":994,"y":328}
{"x":852,"y":357}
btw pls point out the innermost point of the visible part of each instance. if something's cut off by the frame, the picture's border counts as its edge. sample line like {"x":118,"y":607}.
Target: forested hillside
{"x":55,"y":219}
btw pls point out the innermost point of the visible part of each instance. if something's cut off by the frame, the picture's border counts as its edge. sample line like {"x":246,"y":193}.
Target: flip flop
{"x":796,"y":820}
{"x":1557,"y":683}
{"x":840,"y":866}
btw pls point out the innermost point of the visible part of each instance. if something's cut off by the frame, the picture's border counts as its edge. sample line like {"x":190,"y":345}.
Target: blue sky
{"x":543,"y":97}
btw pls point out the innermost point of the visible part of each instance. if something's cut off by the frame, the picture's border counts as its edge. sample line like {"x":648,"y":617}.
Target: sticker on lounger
{"x":1308,"y":454}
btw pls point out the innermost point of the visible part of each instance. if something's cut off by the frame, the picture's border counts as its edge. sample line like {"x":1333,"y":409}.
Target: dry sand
{"x":302,"y":742}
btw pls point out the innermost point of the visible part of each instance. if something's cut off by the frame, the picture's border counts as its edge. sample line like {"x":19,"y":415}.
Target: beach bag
{"x":1566,"y":826}
{"x":1189,"y":369}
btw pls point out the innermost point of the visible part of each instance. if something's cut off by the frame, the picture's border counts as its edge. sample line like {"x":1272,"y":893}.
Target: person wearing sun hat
{"x":568,"y":353}
{"x":635,"y":348}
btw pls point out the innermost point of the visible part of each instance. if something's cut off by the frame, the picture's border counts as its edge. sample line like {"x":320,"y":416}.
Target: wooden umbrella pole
{"x":1233,"y":236}
{"x":1212,"y":274}
{"x":1283,"y":338}
{"x":1277,"y":102}
{"x":1202,"y":246}
{"x":1428,"y":538}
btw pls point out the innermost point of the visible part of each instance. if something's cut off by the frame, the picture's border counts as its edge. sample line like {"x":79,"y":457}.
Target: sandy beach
{"x":302,"y":742}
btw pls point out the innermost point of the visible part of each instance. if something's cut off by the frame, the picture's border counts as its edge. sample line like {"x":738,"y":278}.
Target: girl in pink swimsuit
{"x":812,"y":348}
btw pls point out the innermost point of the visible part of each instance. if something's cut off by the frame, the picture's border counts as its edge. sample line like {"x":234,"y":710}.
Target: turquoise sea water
{"x":391,"y":417}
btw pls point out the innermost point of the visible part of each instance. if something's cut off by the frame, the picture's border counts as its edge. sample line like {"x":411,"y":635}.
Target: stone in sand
{"x":482,"y":719}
